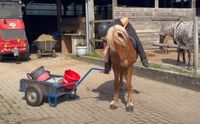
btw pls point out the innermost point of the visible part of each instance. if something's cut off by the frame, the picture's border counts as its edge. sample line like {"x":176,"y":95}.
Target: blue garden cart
{"x":35,"y":91}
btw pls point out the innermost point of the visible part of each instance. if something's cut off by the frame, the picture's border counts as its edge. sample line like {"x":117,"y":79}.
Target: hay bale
{"x":45,"y":37}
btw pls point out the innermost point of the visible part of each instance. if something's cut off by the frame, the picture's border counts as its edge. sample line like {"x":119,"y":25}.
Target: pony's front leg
{"x":121,"y":82}
{"x":129,"y":106}
{"x":113,"y":104}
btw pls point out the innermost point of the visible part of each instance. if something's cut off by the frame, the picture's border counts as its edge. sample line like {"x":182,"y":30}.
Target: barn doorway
{"x":197,"y":7}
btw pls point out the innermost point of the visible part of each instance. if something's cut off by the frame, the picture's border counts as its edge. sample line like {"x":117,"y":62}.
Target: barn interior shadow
{"x":12,"y":59}
{"x":105,"y":91}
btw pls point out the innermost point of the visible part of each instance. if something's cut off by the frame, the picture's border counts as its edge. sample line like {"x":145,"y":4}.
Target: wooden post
{"x":114,"y":5}
{"x":156,"y":4}
{"x":196,"y":45}
{"x":193,"y":4}
{"x":59,"y":15}
{"x":87,"y":25}
{"x":91,"y":25}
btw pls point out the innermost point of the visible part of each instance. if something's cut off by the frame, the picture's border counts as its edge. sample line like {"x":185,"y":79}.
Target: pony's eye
{"x":120,"y":35}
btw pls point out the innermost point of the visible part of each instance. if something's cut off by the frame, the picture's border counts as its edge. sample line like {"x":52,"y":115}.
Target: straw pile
{"x":45,"y":37}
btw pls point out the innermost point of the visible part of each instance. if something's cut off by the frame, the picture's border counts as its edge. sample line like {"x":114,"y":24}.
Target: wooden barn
{"x":75,"y":16}
{"x":148,"y":16}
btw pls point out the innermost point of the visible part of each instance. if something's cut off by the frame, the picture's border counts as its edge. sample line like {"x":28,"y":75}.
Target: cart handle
{"x":28,"y":76}
{"x":95,"y":69}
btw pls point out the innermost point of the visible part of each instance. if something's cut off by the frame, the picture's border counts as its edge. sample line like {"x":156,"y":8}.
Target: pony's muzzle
{"x":124,"y":63}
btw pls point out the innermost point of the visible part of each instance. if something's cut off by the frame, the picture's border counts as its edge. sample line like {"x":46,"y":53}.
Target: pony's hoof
{"x":113,"y":105}
{"x":178,"y":63}
{"x":129,"y":107}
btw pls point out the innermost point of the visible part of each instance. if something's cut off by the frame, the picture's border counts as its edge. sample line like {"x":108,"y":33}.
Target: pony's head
{"x":117,"y":36}
{"x":117,"y":39}
{"x":161,"y":34}
{"x":167,"y":30}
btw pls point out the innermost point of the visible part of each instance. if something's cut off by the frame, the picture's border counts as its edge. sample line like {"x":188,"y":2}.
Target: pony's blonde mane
{"x":117,"y":36}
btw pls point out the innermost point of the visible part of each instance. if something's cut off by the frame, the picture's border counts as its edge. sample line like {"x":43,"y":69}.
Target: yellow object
{"x":5,"y":46}
{"x":45,"y":37}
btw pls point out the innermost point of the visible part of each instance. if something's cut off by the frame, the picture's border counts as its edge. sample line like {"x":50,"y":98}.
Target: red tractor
{"x":13,"y":38}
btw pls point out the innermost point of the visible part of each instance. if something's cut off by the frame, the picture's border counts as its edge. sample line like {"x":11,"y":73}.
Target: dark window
{"x":13,"y":34}
{"x":175,"y":3}
{"x":198,"y":8}
{"x":136,"y":3}
{"x":10,"y":10}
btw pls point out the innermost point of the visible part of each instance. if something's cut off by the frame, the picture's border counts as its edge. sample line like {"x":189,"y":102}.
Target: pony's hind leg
{"x":178,"y":57}
{"x":183,"y":53}
{"x":113,"y":104}
{"x":189,"y":59}
{"x":129,"y":105}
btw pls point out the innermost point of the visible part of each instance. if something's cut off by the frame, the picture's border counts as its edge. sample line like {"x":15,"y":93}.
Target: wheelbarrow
{"x":35,"y":91}
{"x":45,"y":48}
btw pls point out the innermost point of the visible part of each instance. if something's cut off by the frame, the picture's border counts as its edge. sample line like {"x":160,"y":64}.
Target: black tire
{"x":73,"y":94}
{"x":25,"y":56}
{"x":1,"y":58}
{"x":53,"y":53}
{"x":39,"y":53}
{"x":33,"y":95}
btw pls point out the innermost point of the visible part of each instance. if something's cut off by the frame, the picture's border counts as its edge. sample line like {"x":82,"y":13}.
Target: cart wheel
{"x":25,"y":56}
{"x":73,"y":94}
{"x":1,"y":57}
{"x":53,"y":53}
{"x":33,"y":95}
{"x":39,"y":53}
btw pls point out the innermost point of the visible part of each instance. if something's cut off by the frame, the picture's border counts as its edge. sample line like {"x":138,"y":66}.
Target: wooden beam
{"x":171,"y":46}
{"x":100,"y":21}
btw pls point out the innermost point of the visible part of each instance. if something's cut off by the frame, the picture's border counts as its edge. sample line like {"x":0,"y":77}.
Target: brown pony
{"x":167,"y":40}
{"x":123,"y":56}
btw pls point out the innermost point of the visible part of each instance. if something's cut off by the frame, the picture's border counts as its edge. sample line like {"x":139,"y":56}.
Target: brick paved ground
{"x":155,"y":102}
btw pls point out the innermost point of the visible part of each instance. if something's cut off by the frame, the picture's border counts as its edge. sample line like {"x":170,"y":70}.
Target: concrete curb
{"x":181,"y":80}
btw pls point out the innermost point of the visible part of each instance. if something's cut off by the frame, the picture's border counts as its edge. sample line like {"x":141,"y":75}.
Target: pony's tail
{"x":117,"y":36}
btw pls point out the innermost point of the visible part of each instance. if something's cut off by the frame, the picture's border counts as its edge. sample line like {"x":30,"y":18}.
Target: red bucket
{"x":70,"y":76}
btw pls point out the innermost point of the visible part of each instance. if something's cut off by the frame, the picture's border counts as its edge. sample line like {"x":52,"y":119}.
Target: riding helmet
{"x":103,"y":28}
